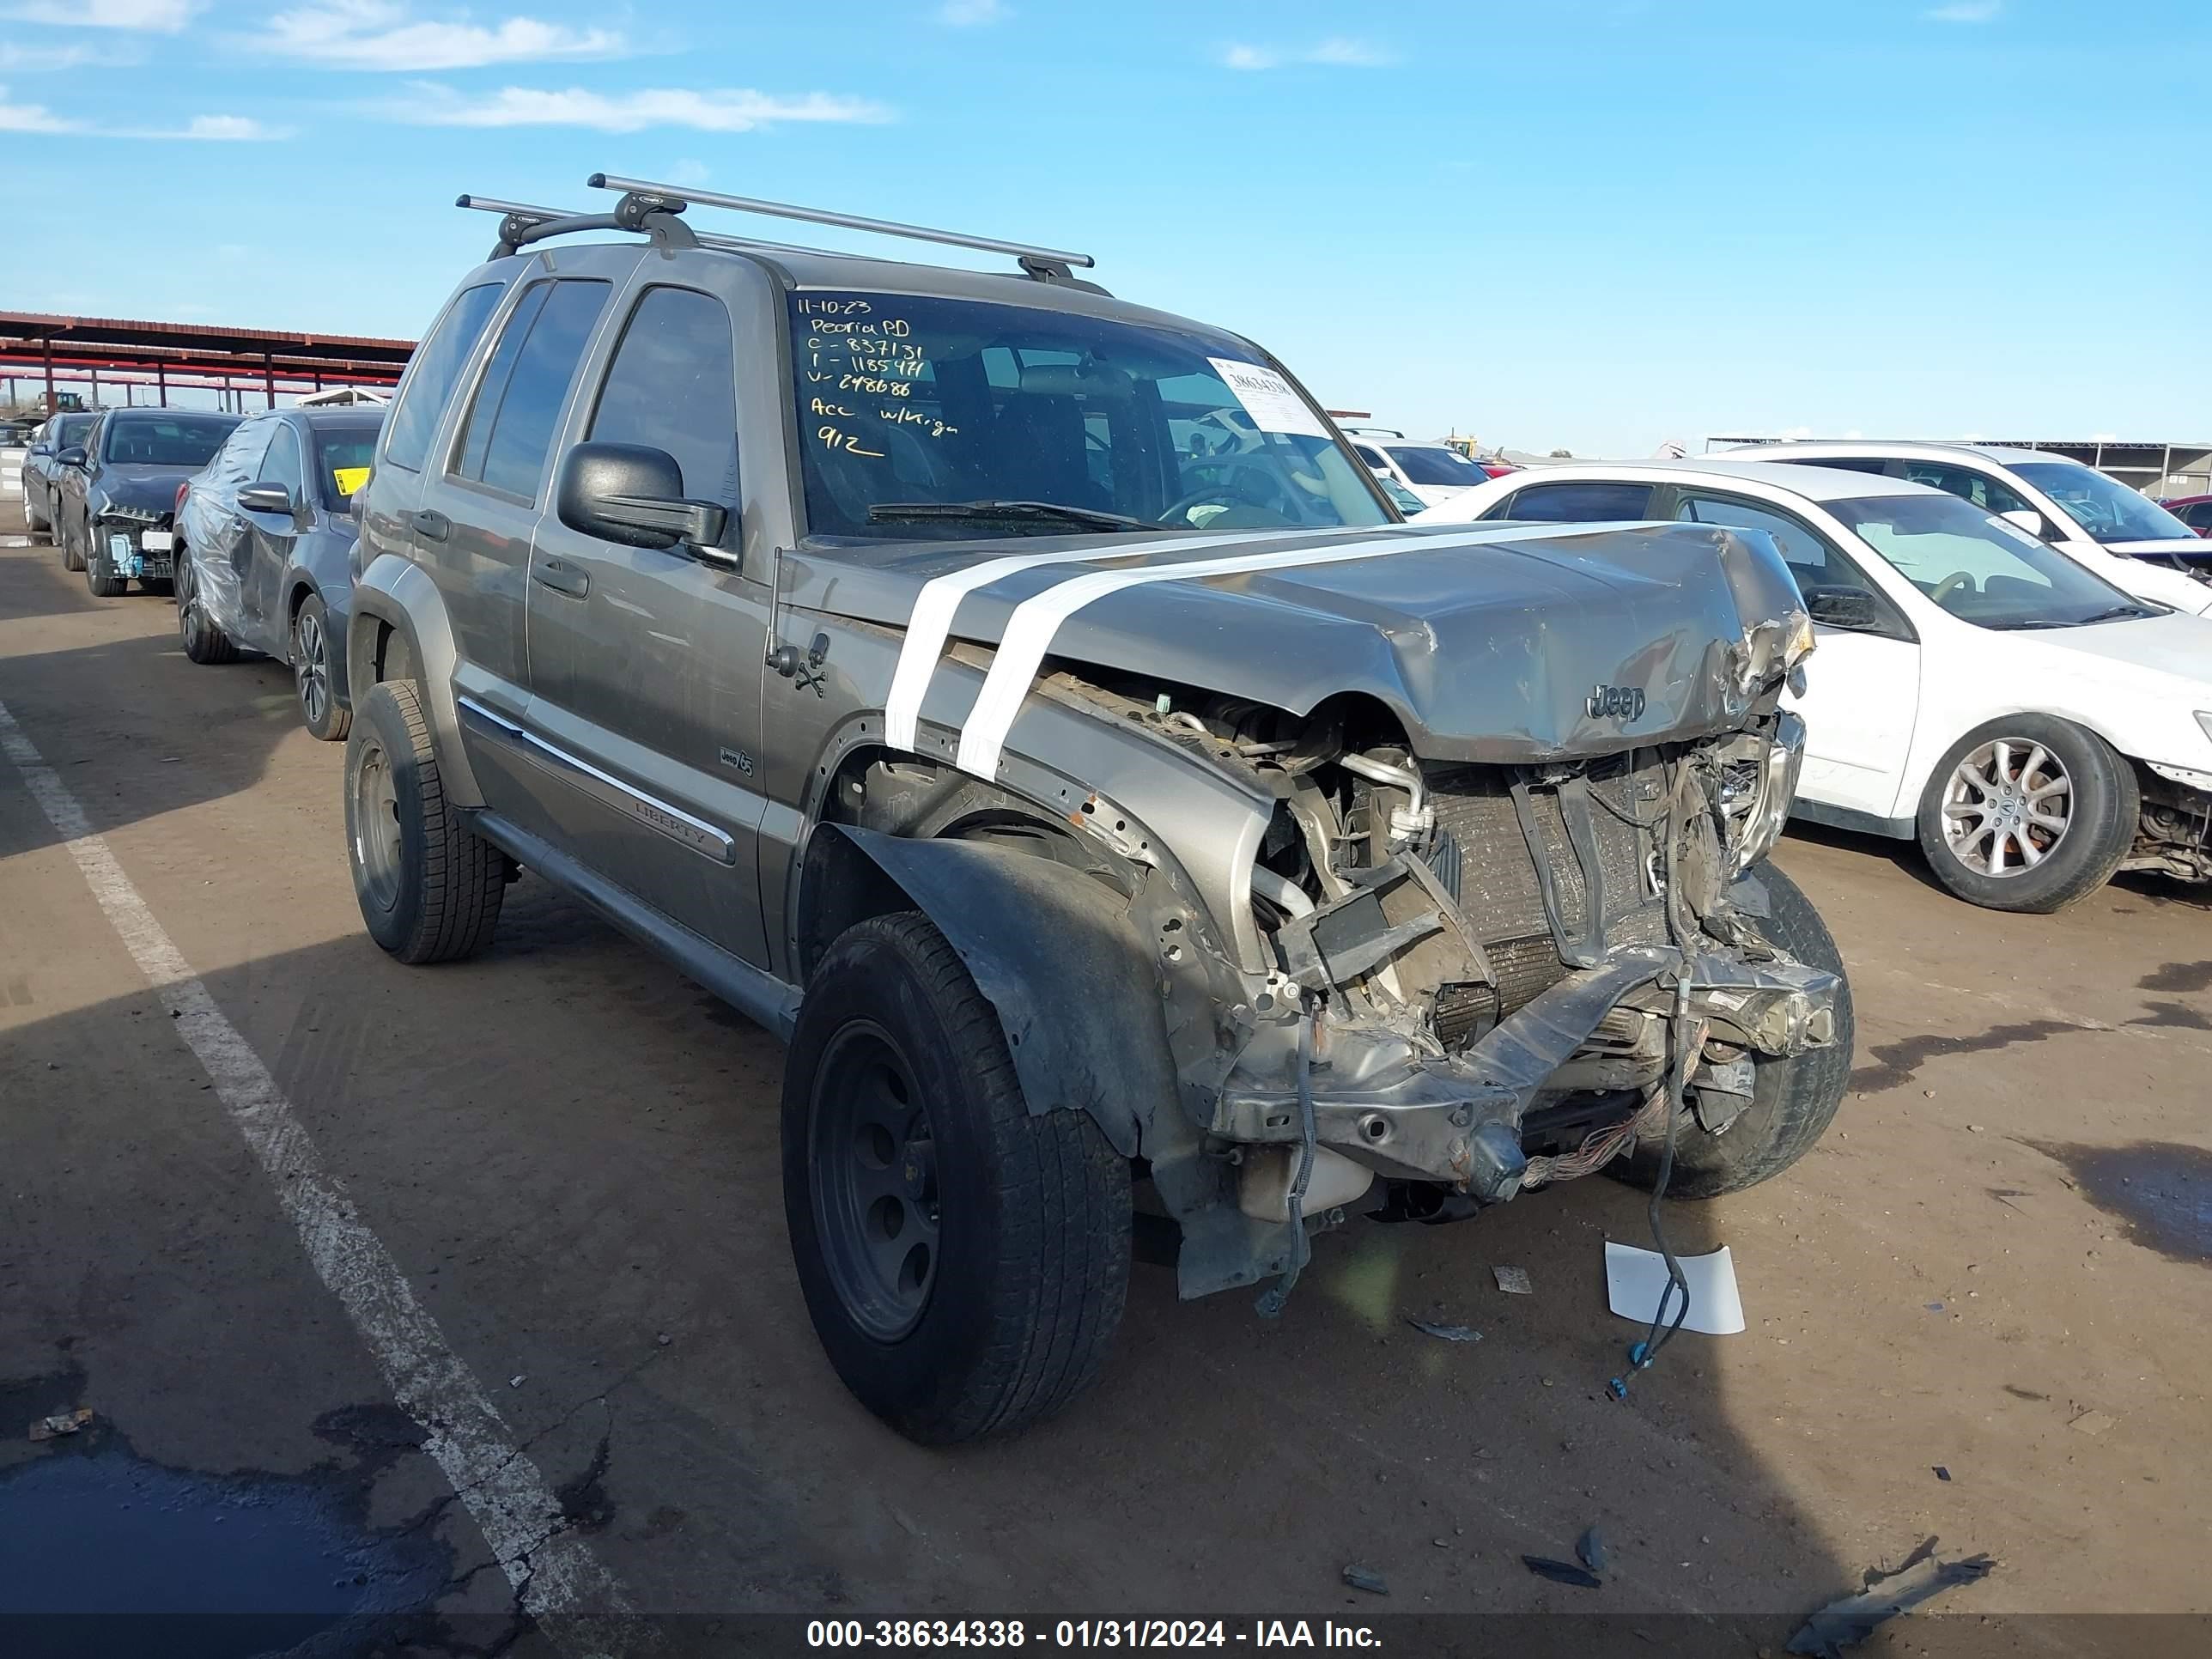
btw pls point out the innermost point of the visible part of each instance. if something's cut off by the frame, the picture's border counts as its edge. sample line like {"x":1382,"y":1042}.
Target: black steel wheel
{"x":963,"y":1259}
{"x":874,"y":1171}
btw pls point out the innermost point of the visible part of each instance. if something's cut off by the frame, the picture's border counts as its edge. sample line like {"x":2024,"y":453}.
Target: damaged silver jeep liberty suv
{"x":1024,"y":703}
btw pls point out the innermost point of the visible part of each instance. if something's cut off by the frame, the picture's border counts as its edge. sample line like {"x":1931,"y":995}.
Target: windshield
{"x":1424,"y":465}
{"x":342,"y":461}
{"x":166,"y":441}
{"x":1980,"y":569}
{"x":2108,"y":510}
{"x":908,"y":403}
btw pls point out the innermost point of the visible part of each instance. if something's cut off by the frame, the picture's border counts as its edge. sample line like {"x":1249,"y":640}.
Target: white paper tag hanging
{"x":1268,"y":399}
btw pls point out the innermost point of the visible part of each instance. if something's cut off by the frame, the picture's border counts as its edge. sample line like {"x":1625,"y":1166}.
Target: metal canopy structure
{"x":45,"y":352}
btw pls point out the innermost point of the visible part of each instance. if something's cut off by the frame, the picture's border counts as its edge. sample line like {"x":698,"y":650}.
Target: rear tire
{"x":964,"y":1260}
{"x":2025,"y":763}
{"x":1792,"y":1099}
{"x":429,"y":889}
{"x":202,"y":641}
{"x":320,"y":711}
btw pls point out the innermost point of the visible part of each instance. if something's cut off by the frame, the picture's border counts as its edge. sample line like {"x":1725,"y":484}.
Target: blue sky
{"x":1596,"y":224}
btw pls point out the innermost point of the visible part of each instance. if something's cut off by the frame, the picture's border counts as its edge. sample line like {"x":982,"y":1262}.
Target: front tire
{"x":964,"y":1260}
{"x":102,"y":582}
{"x":320,"y":711}
{"x":2028,"y":813}
{"x":72,"y":559}
{"x":34,"y":521}
{"x":1793,"y":1098}
{"x":429,"y":889}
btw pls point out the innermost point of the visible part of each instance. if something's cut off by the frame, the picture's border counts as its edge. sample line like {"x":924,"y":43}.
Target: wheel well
{"x":390,"y":657}
{"x":294,"y":600}
{"x":841,"y":885}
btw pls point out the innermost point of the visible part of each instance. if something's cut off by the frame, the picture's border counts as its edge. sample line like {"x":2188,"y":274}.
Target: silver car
{"x":1023,"y":702}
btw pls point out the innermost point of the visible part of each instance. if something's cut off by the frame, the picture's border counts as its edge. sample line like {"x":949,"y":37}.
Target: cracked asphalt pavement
{"x":1995,"y":1264}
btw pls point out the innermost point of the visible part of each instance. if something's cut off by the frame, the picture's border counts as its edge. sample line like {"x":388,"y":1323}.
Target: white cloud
{"x":162,"y":16}
{"x":687,"y":171}
{"x":42,"y":60}
{"x":379,"y":35}
{"x":1338,"y":52}
{"x":737,"y":110}
{"x":226,"y":129}
{"x":31,"y":117}
{"x":1964,"y":11}
{"x":967,"y":14}
{"x":37,"y":117}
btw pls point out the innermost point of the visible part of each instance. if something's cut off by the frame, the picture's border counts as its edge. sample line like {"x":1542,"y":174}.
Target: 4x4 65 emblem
{"x":1619,"y":702}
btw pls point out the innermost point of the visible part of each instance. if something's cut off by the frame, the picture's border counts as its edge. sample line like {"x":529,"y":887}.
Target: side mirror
{"x":2028,"y":518}
{"x":73,"y":456}
{"x":266,"y":498}
{"x":634,"y":496}
{"x":1843,"y":607}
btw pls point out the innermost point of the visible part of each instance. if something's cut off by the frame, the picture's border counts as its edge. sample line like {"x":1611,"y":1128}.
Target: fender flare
{"x":1055,"y":952}
{"x":399,"y":595}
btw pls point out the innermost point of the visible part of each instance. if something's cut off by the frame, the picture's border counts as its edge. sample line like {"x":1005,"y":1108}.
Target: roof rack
{"x":1042,"y":263}
{"x":653,"y":209}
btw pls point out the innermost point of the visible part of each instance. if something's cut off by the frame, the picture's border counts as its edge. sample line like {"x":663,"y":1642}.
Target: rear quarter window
{"x":437,"y":365}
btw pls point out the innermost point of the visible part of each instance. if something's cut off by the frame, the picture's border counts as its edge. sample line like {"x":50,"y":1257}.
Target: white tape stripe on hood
{"x":1036,"y":621}
{"x":931,"y":624}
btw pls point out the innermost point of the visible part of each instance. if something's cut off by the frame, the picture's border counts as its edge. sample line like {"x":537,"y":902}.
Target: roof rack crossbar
{"x":847,"y":220}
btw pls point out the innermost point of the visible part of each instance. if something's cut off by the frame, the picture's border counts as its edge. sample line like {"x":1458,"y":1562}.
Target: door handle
{"x":561,"y":577}
{"x":429,"y":524}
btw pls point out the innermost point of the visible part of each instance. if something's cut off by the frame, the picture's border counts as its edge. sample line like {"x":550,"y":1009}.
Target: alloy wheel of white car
{"x":2007,"y":807}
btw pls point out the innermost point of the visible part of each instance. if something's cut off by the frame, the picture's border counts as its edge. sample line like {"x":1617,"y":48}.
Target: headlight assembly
{"x":1756,"y":825}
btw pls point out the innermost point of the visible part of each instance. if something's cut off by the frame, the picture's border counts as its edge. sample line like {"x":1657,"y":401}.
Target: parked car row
{"x":1997,"y":677}
{"x":247,"y":521}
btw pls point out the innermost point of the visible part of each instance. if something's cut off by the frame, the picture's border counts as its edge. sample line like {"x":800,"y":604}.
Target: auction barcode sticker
{"x":1273,"y":404}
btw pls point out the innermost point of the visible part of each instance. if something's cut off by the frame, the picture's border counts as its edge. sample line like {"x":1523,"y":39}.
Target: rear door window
{"x":1577,"y":503}
{"x":510,"y":424}
{"x":438,"y":362}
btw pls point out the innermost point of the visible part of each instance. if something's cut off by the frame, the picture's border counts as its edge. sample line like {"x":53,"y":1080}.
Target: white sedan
{"x":2035,"y":726}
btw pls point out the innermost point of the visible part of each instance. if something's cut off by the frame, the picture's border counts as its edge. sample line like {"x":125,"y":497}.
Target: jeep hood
{"x":1490,"y":645}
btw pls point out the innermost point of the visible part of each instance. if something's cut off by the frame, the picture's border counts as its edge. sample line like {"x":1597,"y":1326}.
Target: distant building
{"x":2158,"y":470}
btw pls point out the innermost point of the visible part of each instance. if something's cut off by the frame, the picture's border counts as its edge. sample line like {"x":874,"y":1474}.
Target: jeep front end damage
{"x":1466,"y":955}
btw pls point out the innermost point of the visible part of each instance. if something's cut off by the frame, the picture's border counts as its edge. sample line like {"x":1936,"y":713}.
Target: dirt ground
{"x":1994,"y":1268}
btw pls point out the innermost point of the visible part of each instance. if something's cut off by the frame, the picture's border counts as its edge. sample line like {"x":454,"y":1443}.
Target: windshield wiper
{"x":987,"y":512}
{"x":2116,"y":613}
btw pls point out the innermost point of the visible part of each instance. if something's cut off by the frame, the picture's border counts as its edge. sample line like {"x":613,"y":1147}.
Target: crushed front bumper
{"x":1386,"y":1099}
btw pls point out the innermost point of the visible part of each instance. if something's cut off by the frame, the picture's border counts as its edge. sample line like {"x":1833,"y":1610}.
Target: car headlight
{"x":1756,"y":824}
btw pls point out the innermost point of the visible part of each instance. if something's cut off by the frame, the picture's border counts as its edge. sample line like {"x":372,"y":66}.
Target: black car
{"x":119,"y":492}
{"x":42,"y":470}
{"x":263,"y":539}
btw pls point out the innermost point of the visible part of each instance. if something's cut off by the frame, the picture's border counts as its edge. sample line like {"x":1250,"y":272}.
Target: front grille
{"x":1498,"y":887}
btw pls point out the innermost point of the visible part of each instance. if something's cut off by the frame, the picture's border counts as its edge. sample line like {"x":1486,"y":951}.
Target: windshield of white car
{"x":1424,"y":466}
{"x":1050,"y":423}
{"x":1981,"y":568}
{"x":2107,"y":509}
